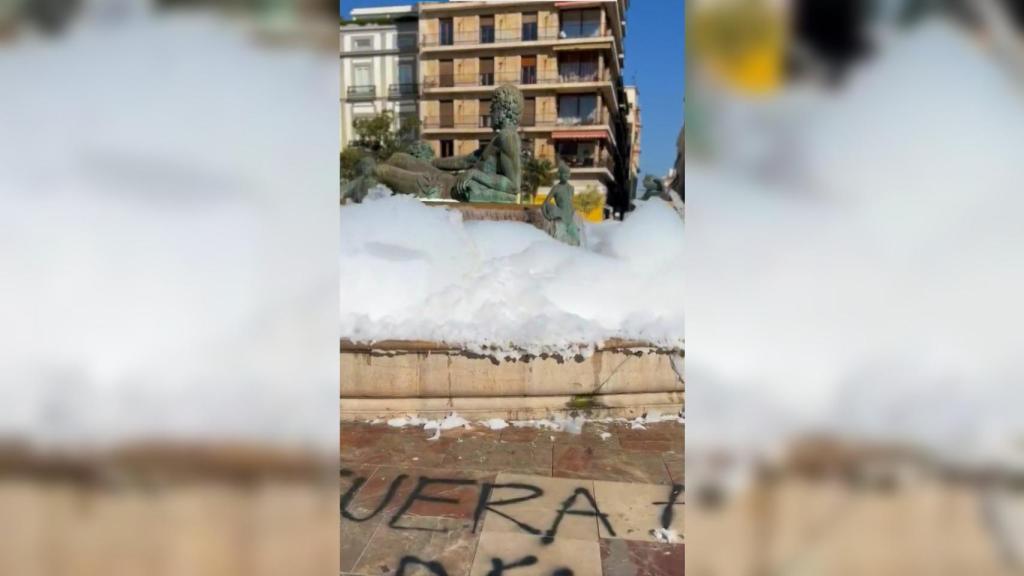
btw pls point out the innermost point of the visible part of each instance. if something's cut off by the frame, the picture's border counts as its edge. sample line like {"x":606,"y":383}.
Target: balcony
{"x":482,"y":121}
{"x":399,"y":91}
{"x":523,"y":77}
{"x":361,"y":92}
{"x":592,"y":120}
{"x":490,"y":35}
{"x":528,"y":120}
{"x":584,"y":161}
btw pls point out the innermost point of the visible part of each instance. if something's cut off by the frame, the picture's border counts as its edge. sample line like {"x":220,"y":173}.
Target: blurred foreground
{"x":169,"y":293}
{"x":853,"y":269}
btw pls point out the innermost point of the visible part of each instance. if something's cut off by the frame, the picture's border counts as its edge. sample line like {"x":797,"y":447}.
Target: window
{"x":485,"y":114}
{"x":487,"y":29}
{"x":362,"y":74}
{"x":580,"y":23}
{"x":575,"y":109}
{"x":529,"y":70}
{"x":447,"y":79}
{"x":529,"y":26}
{"x":529,"y":112}
{"x":447,"y":30}
{"x":447,"y":114}
{"x":577,"y":154}
{"x":406,"y":73}
{"x":362,"y":43}
{"x":447,"y":148}
{"x":578,"y":67}
{"x":487,"y":71}
{"x":406,"y":41}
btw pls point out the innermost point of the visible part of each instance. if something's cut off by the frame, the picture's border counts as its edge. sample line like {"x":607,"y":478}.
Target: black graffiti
{"x":353,"y":490}
{"x":566,"y":508}
{"x":417,"y":494}
{"x":485,"y":503}
{"x":435,"y":567}
{"x":498,"y":566}
{"x":668,"y":512}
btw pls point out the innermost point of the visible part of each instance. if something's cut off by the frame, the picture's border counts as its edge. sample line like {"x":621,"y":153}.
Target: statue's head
{"x":563,"y":172}
{"x":506,"y":106}
{"x":422,"y":150}
{"x":366,"y":166}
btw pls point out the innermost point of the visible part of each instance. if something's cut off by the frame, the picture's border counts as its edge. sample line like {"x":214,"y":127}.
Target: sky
{"x":654,"y":62}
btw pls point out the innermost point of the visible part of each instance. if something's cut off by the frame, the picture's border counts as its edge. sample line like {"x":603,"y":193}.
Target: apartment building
{"x":566,"y":58}
{"x":379,"y":65}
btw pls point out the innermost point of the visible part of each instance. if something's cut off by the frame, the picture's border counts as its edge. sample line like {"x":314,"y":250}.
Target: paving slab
{"x":635,"y":510}
{"x":583,"y":558}
{"x":546,"y":497}
{"x":634,"y":558}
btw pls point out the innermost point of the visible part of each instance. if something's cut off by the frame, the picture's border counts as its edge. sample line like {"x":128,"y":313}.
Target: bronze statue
{"x":558,"y":208}
{"x":492,"y":174}
{"x":359,"y":187}
{"x":654,"y":187}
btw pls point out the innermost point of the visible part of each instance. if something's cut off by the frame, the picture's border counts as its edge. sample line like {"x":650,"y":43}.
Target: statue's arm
{"x":456,"y":162}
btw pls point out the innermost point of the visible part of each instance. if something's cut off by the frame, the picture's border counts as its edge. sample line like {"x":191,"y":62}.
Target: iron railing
{"x":524,"y":76}
{"x":527,"y":121}
{"x":580,"y":161}
{"x":403,"y":90}
{"x":362,"y":92}
{"x":492,"y":35}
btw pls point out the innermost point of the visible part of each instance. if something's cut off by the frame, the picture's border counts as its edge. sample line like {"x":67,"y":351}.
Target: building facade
{"x":565,"y":57}
{"x":379,"y":66}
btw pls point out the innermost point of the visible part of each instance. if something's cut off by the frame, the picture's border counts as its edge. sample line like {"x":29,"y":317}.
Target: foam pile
{"x":413,"y":272}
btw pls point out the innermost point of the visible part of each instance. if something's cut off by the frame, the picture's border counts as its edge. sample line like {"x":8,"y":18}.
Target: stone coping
{"x":160,"y":462}
{"x":407,"y":346}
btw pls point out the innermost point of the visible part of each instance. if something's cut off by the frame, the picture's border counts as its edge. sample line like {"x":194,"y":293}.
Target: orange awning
{"x":579,"y":135}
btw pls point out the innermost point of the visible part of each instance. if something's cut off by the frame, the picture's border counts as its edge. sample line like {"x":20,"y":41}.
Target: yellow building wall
{"x":463,"y":147}
{"x":508,"y":23}
{"x":430,"y":26}
{"x":429,"y":68}
{"x":507,"y":68}
{"x":429,"y":109}
{"x":547,"y":107}
{"x":545,"y":148}
{"x":466,"y":109}
{"x":466,"y":69}
{"x":547,"y":20}
{"x":467,"y":26}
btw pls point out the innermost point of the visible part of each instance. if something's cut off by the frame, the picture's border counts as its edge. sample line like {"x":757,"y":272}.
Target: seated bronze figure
{"x":491,"y":174}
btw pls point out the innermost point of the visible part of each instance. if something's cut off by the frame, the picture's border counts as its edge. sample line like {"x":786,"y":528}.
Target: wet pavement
{"x":520,"y":501}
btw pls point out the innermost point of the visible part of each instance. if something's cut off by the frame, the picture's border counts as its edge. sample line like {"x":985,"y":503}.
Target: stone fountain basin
{"x":621,"y":378}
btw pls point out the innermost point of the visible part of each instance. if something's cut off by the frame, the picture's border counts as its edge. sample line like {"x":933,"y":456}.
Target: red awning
{"x":580,"y":135}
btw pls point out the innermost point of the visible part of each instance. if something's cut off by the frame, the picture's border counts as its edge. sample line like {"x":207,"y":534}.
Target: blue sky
{"x":654,"y":62}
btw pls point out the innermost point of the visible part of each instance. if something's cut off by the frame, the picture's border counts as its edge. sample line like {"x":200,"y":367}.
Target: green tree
{"x":537,"y":172}
{"x":377,"y":135}
{"x":350,"y":157}
{"x":589,"y":200}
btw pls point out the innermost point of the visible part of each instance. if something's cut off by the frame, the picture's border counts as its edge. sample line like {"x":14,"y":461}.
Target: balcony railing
{"x":525,"y":76}
{"x":579,"y":120}
{"x":362,"y":92}
{"x":489,"y":35}
{"x":578,"y":161}
{"x":445,"y":121}
{"x":403,"y":90}
{"x":527,"y":121}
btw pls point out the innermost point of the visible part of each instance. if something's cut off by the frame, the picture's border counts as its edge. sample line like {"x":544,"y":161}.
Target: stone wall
{"x":421,"y":377}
